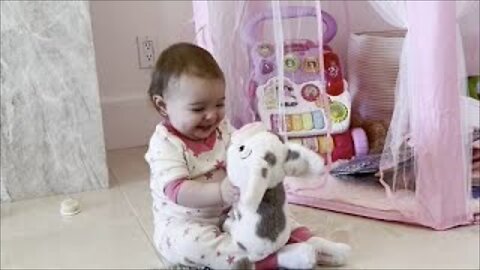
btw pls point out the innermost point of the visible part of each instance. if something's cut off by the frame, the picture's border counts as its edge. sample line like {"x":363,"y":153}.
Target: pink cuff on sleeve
{"x":300,"y":234}
{"x":172,"y":188}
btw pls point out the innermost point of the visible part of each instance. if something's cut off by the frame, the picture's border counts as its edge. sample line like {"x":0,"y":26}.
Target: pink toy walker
{"x":305,"y":112}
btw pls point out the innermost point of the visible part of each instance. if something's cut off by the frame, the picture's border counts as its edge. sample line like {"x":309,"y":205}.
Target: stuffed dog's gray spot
{"x":241,"y":246}
{"x":264,"y":172}
{"x":292,"y":155}
{"x":272,"y":218}
{"x":188,"y":261}
{"x":270,"y":158}
{"x":243,"y":264}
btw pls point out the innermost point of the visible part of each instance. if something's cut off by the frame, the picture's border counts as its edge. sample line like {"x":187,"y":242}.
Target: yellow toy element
{"x":310,"y":65}
{"x":288,"y":121}
{"x":307,"y":121}
{"x":325,"y":144}
{"x":297,"y":122}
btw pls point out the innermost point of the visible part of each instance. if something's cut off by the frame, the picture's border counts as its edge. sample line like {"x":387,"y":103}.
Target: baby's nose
{"x":211,"y":116}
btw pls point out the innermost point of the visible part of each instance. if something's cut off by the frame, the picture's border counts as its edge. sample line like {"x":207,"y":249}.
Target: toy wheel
{"x":360,"y":142}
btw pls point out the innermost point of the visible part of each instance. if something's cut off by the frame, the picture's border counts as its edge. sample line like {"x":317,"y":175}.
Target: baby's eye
{"x":197,"y":109}
{"x":221,"y":105}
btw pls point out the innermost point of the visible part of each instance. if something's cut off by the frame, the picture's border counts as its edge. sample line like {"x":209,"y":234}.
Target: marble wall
{"x":51,"y":130}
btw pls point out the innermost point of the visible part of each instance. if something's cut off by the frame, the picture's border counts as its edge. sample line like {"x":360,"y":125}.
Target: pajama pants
{"x":202,"y":244}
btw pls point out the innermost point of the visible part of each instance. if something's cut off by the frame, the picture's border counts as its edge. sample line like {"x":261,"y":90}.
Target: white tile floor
{"x":114,"y":231}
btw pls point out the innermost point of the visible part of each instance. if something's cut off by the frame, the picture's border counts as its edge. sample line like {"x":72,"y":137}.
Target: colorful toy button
{"x":297,"y":122}
{"x":291,"y":63}
{"x":265,"y":50}
{"x":288,"y":121}
{"x":310,"y":92}
{"x":318,"y":121}
{"x":266,"y":67}
{"x":338,"y":111}
{"x":311,"y":65}
{"x":307,"y":120}
{"x":325,"y":144}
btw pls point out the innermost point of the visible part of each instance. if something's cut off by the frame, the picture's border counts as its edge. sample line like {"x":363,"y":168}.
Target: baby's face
{"x":195,"y":106}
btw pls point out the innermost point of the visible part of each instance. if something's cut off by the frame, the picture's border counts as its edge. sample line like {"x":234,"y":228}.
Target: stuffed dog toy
{"x":257,"y":163}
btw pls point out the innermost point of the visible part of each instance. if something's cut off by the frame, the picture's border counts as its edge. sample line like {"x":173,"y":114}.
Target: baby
{"x":188,"y":182}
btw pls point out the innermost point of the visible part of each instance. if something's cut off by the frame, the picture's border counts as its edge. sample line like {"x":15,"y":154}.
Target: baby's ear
{"x":159,"y":103}
{"x":301,"y":160}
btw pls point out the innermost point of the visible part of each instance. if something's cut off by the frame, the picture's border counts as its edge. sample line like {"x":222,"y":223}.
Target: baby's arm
{"x":204,"y":194}
{"x":197,"y":194}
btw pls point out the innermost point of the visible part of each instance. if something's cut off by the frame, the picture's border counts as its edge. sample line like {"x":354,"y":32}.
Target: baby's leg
{"x":328,"y":252}
{"x":200,"y":245}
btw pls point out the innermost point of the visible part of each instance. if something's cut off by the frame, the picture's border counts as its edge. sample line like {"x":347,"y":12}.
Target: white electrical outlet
{"x":146,"y":52}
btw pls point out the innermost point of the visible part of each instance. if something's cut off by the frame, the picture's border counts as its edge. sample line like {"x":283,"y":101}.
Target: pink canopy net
{"x":380,"y":89}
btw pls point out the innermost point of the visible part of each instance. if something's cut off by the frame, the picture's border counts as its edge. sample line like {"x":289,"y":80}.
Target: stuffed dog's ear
{"x":258,"y":180}
{"x":301,"y":160}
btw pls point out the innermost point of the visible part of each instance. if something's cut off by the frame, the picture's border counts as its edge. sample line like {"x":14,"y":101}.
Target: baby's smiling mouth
{"x":205,"y":128}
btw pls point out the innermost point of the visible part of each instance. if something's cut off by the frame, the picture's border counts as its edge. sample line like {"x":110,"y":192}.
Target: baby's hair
{"x":182,"y":58}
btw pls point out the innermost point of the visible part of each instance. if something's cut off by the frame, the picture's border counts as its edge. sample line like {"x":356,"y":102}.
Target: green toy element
{"x":291,"y":63}
{"x":338,"y":112}
{"x":474,"y":87}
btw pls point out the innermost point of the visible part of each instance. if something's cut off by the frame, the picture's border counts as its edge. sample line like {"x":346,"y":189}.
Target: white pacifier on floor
{"x":70,"y":207}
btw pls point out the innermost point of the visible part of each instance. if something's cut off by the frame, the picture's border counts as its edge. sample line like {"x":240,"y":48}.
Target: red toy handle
{"x":333,"y":73}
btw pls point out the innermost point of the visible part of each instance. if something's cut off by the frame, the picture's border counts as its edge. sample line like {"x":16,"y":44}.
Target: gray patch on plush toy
{"x":292,"y":155}
{"x":239,"y":215}
{"x":241,"y":246}
{"x":272,"y":217}
{"x":264,"y":172}
{"x":270,"y":158}
{"x":243,"y":264}
{"x":187,"y":260}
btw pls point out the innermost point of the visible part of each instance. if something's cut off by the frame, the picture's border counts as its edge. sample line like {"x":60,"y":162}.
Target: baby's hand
{"x":228,"y":192}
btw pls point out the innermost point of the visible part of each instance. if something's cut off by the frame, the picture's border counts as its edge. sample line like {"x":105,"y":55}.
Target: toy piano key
{"x":297,"y":122}
{"x":307,"y":121}
{"x":318,"y":120}
{"x":288,"y":121}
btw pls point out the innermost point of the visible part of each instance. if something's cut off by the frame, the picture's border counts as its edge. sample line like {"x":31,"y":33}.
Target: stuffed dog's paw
{"x":297,"y":256}
{"x":330,"y":253}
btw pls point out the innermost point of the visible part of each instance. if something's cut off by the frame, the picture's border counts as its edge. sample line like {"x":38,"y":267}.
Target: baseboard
{"x":128,"y":121}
